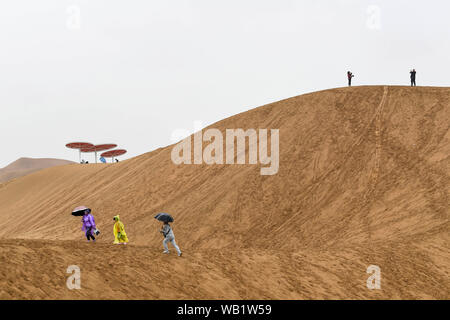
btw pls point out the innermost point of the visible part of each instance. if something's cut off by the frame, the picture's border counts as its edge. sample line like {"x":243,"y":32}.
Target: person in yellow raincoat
{"x":120,"y":236}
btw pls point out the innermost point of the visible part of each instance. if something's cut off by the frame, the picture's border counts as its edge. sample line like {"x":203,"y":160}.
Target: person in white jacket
{"x":167,"y":232}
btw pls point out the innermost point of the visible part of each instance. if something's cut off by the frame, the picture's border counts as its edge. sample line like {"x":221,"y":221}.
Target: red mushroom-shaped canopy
{"x":79,"y":145}
{"x":99,"y":147}
{"x":113,"y":153}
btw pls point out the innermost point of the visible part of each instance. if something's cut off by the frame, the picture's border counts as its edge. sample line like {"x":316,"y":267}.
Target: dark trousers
{"x":349,"y":82}
{"x":89,"y":234}
{"x":413,"y":82}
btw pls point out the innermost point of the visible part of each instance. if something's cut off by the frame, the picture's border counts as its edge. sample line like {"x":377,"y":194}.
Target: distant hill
{"x":24,"y":166}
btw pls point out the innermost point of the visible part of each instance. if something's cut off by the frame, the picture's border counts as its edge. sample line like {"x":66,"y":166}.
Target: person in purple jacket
{"x":88,"y":225}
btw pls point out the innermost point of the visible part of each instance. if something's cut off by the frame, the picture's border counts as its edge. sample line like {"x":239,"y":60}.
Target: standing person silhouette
{"x":349,"y":76}
{"x":413,"y":77}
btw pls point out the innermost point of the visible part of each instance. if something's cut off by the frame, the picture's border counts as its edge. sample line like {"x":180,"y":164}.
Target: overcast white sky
{"x":136,"y":72}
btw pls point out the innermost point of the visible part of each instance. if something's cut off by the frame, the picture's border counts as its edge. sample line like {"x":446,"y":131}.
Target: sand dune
{"x":24,"y":166}
{"x":36,"y":269}
{"x":364,"y":179}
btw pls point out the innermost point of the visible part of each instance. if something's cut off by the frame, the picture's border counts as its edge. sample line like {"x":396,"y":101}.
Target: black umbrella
{"x":164,"y":217}
{"x":79,"y":211}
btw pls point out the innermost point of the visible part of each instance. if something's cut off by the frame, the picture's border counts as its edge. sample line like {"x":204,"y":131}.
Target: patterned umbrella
{"x":79,"y":211}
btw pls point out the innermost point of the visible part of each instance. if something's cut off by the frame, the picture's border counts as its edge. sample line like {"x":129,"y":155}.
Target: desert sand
{"x":24,"y":166}
{"x":364,"y":179}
